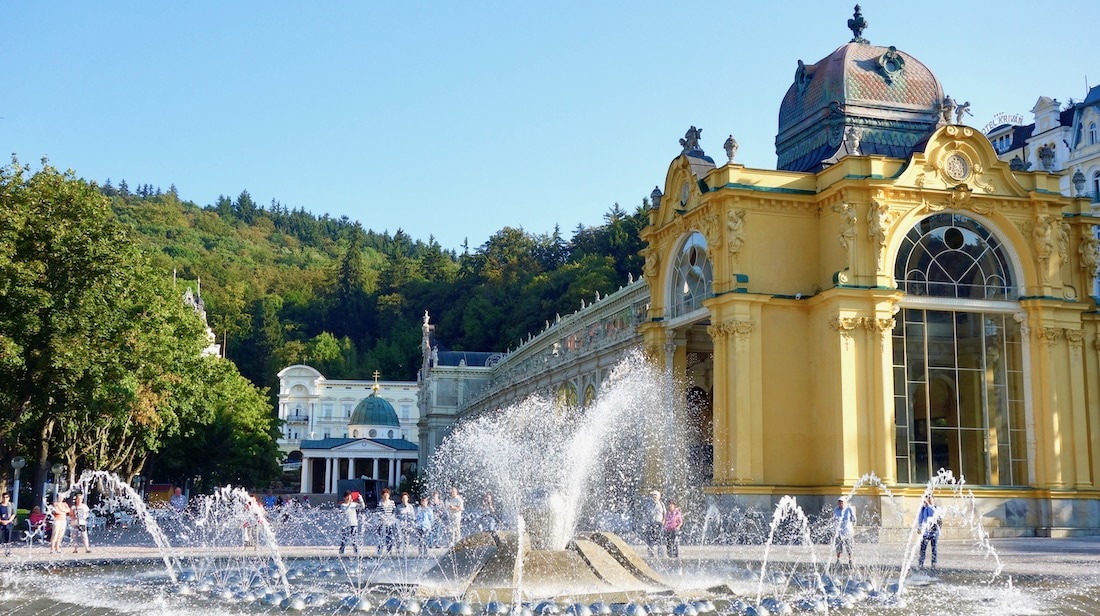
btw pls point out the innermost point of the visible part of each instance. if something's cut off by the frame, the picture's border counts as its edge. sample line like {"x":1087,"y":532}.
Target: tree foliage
{"x":99,"y":356}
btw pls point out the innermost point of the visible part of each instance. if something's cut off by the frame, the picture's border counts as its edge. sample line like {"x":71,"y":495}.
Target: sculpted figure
{"x":847,"y":225}
{"x":947,"y":107}
{"x":963,"y":109}
{"x":1063,"y":241}
{"x":878,"y":220}
{"x":691,"y":139}
{"x":731,"y":147}
{"x":1044,"y":242}
{"x":1090,"y":254}
{"x":735,"y":224}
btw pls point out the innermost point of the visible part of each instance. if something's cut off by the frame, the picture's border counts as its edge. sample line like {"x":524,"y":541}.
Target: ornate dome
{"x":860,"y":99}
{"x":374,"y":411}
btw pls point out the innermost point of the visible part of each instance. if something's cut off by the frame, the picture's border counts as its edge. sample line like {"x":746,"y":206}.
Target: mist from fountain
{"x":538,"y":457}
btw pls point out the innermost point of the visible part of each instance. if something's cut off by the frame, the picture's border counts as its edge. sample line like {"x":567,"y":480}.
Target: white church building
{"x":347,"y":429}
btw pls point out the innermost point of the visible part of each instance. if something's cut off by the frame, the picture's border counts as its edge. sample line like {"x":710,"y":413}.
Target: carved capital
{"x":1075,"y":338}
{"x":1049,"y":336}
{"x":739,"y":329}
{"x":1021,"y":318}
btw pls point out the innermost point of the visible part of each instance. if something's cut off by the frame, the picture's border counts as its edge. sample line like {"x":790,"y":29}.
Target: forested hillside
{"x":284,"y":286}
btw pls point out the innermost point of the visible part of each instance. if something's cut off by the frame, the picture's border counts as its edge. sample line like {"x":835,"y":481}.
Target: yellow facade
{"x":802,"y":316}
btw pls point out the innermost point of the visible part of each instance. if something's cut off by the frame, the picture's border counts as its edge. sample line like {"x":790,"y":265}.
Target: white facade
{"x":315,"y":408}
{"x":1061,"y":140}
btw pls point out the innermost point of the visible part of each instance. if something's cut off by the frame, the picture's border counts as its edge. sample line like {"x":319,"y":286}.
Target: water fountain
{"x":562,"y":479}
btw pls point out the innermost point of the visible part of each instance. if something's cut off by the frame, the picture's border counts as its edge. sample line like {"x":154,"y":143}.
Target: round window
{"x":373,"y":433}
{"x":391,"y":433}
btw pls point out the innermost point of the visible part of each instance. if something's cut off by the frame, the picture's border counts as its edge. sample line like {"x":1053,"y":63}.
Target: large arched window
{"x":957,"y":349}
{"x":693,"y":279}
{"x":950,"y":255}
{"x":1092,"y":133}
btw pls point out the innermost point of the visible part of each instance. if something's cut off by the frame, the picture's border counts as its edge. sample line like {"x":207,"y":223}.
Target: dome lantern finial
{"x":376,"y":386}
{"x":857,"y":24}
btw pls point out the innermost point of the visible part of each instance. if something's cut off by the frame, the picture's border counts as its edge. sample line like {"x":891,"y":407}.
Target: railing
{"x":297,"y":418}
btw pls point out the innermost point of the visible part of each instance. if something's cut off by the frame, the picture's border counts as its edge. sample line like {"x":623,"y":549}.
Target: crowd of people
{"x":397,"y":526}
{"x":401,"y":525}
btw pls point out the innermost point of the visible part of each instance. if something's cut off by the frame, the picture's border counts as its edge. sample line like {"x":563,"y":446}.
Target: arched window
{"x":1096,"y":187}
{"x":589,"y":395}
{"x":949,"y":255}
{"x":1092,"y":133}
{"x":958,"y":371}
{"x":693,"y":278}
{"x":567,"y":395}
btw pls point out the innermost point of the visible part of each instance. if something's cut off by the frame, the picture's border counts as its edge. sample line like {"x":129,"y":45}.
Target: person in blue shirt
{"x":845,"y":519}
{"x":928,"y":522}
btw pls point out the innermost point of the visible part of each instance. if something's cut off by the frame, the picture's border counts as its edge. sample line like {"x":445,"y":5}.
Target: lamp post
{"x":57,"y":469}
{"x":17,"y":463}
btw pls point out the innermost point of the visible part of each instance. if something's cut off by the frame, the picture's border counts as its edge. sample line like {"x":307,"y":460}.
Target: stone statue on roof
{"x":690,"y":142}
{"x":731,"y":147}
{"x":947,"y":108}
{"x":962,"y":110}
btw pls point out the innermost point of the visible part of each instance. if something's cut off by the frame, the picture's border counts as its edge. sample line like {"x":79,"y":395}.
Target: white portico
{"x":326,"y":461}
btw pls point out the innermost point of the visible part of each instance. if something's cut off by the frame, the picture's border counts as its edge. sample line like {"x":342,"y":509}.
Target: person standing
{"x":674,"y":519}
{"x":7,"y":522}
{"x":440,"y":522}
{"x":79,"y":514}
{"x":653,"y":517}
{"x":928,"y":522}
{"x":178,"y":501}
{"x":59,"y":513}
{"x":387,"y":520}
{"x":455,"y":506}
{"x":488,"y":521}
{"x":406,"y":520}
{"x":845,"y":518}
{"x":348,"y":534}
{"x":425,"y":520}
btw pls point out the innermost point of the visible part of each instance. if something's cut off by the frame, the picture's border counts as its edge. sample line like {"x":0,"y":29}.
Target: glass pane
{"x":971,"y":400}
{"x":973,"y":457}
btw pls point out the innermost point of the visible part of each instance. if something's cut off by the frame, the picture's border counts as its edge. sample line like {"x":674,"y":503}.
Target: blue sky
{"x":456,"y":119}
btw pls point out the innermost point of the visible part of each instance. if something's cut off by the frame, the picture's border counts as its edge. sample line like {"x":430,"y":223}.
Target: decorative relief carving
{"x":1021,"y":319}
{"x":878,"y":221}
{"x":1076,"y":339}
{"x":651,"y":267}
{"x":1043,"y":235}
{"x":741,"y":330}
{"x":844,"y":326}
{"x":1063,"y":241}
{"x":883,"y":326}
{"x":710,"y":229}
{"x":735,"y":226}
{"x":847,"y":233}
{"x":1049,"y":336}
{"x":1090,"y":254}
{"x":960,"y":198}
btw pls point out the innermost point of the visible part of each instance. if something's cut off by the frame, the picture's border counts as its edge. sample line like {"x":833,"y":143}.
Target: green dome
{"x":374,"y":411}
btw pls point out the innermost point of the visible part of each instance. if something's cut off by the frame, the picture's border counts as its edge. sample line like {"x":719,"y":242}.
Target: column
{"x":305,"y":475}
{"x":374,"y":469}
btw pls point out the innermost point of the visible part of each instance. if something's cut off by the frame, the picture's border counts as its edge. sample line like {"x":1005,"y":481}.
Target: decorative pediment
{"x":960,"y":158}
